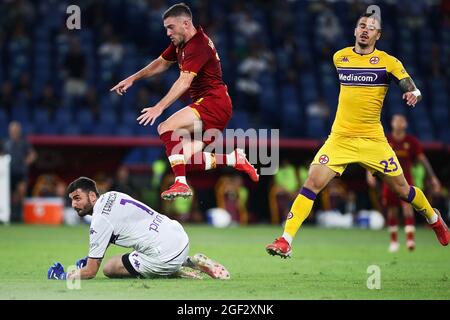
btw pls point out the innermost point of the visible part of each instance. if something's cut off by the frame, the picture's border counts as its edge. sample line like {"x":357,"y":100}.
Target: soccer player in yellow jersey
{"x":357,"y":135}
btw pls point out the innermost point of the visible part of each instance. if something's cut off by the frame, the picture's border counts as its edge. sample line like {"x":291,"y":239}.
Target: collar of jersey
{"x":364,"y":54}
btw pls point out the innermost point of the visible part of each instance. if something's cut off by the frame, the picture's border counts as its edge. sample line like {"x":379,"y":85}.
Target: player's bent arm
{"x":178,"y":88}
{"x":424,"y":160}
{"x":407,"y":85}
{"x":88,"y":272}
{"x":157,"y":66}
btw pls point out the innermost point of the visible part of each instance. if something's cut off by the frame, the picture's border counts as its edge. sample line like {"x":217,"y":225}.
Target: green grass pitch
{"x":326,"y":264}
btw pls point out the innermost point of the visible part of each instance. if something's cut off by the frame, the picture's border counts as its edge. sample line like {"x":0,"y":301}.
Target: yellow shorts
{"x":376,"y":155}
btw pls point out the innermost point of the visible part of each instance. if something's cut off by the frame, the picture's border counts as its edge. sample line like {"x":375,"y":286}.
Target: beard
{"x":363,"y":45}
{"x":87,"y":210}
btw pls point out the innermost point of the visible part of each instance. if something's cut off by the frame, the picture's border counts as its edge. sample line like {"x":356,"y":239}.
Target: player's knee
{"x":108,"y":271}
{"x":161,"y":128}
{"x":314,"y":183}
{"x":402,"y":191}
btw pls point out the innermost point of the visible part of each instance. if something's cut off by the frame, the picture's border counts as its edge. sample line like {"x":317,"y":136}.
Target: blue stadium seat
{"x":41,"y":117}
{"x":85,"y":120}
{"x":134,"y":156}
{"x":108,"y":117}
{"x":240,"y":120}
{"x":315,"y":128}
{"x":153,"y":154}
{"x":3,"y":129}
{"x":63,"y":117}
{"x":124,"y":130}
{"x":20,"y":113}
{"x":71,"y":130}
{"x":3,"y":116}
{"x":46,"y":129}
{"x":102,"y":129}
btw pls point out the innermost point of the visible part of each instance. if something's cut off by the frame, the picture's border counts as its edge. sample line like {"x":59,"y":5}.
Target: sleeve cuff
{"x":191,"y":72}
{"x":167,"y":60}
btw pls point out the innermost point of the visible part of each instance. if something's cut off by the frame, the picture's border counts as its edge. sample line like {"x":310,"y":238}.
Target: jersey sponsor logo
{"x":156,"y":223}
{"x":374,"y":60}
{"x":109,"y":203}
{"x":324,"y":159}
{"x":363,"y":77}
{"x":344,"y":59}
{"x":92,"y":231}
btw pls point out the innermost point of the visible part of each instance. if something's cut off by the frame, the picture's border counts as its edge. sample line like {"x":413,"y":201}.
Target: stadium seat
{"x":315,"y":128}
{"x":101,"y":129}
{"x":20,"y":113}
{"x":71,"y":130}
{"x":134,"y":156}
{"x":124,"y":130}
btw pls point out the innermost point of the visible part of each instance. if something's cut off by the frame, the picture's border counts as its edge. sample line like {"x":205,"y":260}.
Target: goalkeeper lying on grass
{"x":160,"y":244}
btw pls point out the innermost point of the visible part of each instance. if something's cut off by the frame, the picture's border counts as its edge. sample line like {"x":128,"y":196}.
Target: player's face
{"x":81,"y":202}
{"x":176,"y":29}
{"x":399,"y":123}
{"x":367,"y":32}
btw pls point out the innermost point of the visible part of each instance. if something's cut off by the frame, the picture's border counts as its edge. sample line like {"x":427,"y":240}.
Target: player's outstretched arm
{"x":88,"y":272}
{"x":157,"y":66}
{"x":179,"y":87}
{"x":411,"y":94}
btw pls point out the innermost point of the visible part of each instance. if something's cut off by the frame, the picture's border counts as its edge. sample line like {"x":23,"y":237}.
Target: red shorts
{"x":215,"y":109}
{"x":390,"y":199}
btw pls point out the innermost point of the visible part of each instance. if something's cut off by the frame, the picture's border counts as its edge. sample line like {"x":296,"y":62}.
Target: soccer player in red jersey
{"x":408,"y":150}
{"x":201,"y":75}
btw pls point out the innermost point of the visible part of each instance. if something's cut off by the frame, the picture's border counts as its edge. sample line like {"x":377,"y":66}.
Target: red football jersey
{"x":407,"y":151}
{"x":198,"y":56}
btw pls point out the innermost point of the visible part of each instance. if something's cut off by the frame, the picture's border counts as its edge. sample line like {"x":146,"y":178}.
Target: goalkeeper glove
{"x":82,"y":263}
{"x":56,"y":272}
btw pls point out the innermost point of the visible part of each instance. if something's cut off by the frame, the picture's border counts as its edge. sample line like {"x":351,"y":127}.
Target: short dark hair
{"x":177,"y":10}
{"x":83,"y":183}
{"x":370,"y":15}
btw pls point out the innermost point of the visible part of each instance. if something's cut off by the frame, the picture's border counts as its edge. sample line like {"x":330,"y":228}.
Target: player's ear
{"x":92,"y":196}
{"x":379,"y":35}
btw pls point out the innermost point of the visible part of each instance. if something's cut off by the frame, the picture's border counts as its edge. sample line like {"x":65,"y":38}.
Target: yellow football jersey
{"x":364,"y":81}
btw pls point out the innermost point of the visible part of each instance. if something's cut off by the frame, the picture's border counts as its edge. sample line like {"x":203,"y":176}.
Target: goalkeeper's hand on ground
{"x":82,"y":263}
{"x":56,"y":272}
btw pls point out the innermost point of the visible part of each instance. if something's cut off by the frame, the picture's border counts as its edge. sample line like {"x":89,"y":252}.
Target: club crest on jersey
{"x":324,"y":159}
{"x":374,"y":60}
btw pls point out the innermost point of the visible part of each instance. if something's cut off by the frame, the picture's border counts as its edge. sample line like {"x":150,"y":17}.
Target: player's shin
{"x":410,"y":228}
{"x":299,"y":212}
{"x":393,"y":228}
{"x":204,"y":161}
{"x":419,"y":202}
{"x":176,"y":157}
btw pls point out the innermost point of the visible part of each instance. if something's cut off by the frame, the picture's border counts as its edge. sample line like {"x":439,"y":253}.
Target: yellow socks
{"x":299,"y":212}
{"x":421,"y":204}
